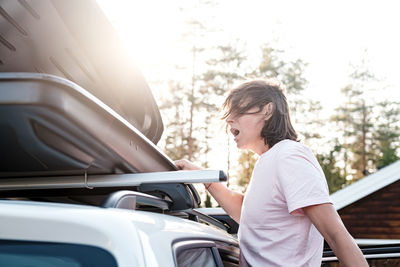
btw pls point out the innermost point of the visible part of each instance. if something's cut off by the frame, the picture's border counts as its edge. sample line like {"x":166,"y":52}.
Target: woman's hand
{"x":230,"y":201}
{"x":186,"y":165}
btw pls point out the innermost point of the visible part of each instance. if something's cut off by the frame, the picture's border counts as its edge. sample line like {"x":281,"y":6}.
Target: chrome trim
{"x":206,"y":218}
{"x":369,"y":256}
{"x":365,"y":241}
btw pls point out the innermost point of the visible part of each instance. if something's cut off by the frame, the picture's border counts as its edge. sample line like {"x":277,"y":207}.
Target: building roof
{"x":366,"y":186}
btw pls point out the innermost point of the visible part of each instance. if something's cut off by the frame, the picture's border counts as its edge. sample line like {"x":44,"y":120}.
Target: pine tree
{"x":387,"y":133}
{"x":291,"y":74}
{"x":176,"y":130}
{"x":354,"y":117}
{"x":224,"y":70}
{"x":335,"y":176}
{"x":184,"y":99}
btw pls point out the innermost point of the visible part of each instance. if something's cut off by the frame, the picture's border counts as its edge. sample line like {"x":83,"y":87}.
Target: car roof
{"x":28,"y":220}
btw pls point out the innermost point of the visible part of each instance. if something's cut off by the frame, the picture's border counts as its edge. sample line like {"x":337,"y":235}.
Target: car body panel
{"x":133,"y":237}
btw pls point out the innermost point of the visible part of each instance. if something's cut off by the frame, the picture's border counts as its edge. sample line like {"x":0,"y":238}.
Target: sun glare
{"x":148,"y":28}
{"x":329,"y":36}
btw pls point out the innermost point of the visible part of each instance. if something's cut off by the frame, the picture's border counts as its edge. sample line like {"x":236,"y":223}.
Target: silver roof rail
{"x":127,"y":199}
{"x":112,"y":180}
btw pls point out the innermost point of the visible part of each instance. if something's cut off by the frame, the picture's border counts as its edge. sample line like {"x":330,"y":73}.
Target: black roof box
{"x":73,"y":39}
{"x":51,"y":126}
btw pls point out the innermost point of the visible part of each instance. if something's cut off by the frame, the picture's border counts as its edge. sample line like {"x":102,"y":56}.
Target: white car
{"x":51,"y":234}
{"x":82,"y":181}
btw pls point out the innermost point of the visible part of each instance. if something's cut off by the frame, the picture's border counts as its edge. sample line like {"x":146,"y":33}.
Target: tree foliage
{"x":335,"y":176}
{"x":354,"y":119}
{"x":184,"y":98}
{"x":223,"y":71}
{"x":177,"y":129}
{"x":369,"y":128}
{"x":246,"y":162}
{"x":387,"y":133}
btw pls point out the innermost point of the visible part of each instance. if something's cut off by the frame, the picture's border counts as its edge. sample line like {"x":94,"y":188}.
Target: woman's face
{"x":246,"y":129}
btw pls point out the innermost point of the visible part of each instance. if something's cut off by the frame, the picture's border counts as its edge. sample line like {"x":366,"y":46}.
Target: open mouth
{"x":235,"y":132}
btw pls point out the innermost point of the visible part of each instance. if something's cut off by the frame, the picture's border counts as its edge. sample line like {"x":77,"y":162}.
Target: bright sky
{"x":329,"y":35}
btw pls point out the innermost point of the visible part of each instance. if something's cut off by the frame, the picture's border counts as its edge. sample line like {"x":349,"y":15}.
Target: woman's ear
{"x":269,"y":110}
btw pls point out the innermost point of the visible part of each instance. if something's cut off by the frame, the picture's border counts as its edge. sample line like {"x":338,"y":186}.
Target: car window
{"x":45,"y":254}
{"x":196,"y":257}
{"x":195,"y":253}
{"x":229,"y":254}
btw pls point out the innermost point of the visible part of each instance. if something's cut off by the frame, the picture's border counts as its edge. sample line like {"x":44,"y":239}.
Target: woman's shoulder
{"x":290,"y":147}
{"x":286,"y":148}
{"x":288,"y":144}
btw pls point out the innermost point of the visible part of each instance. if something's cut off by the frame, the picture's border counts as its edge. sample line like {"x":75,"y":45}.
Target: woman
{"x":286,"y":212}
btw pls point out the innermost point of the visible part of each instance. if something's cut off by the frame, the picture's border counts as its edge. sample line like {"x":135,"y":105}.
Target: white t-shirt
{"x":274,"y":230}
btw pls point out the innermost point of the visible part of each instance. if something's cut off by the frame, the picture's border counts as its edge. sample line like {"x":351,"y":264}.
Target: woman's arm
{"x":328,"y":222}
{"x":230,"y":201}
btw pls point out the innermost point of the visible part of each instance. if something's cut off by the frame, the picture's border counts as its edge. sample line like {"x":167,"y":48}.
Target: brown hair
{"x":259,"y":93}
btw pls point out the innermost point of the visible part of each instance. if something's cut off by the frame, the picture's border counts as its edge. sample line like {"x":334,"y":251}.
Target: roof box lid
{"x":50,"y":126}
{"x":73,"y":39}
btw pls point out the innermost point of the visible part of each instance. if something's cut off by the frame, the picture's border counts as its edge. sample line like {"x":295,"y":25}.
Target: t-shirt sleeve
{"x":301,"y":180}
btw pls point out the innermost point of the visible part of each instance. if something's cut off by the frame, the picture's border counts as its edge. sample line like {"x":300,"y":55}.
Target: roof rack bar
{"x":127,"y":199}
{"x":112,"y":180}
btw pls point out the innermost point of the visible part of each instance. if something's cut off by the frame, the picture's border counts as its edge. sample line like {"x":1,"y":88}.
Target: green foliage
{"x":387,"y":157}
{"x":289,"y":72}
{"x":370,"y":131}
{"x":224,"y":68}
{"x":246,"y":161}
{"x":207,"y":202}
{"x":184,"y":99}
{"x":177,"y":130}
{"x":335,"y":176}
{"x":354,"y":117}
{"x":387,"y":133}
{"x":223,"y":71}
